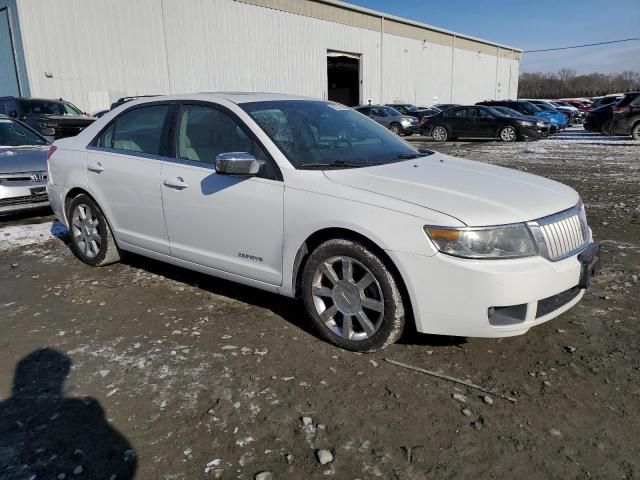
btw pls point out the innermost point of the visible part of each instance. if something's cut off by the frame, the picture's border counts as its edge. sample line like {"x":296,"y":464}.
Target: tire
{"x":635,"y":131}
{"x":440,"y":133}
{"x":508,"y":134}
{"x":91,"y":237}
{"x":396,"y":128}
{"x":333,"y":296}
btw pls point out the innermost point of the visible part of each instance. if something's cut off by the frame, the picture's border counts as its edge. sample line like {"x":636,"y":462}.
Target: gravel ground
{"x":148,"y":371}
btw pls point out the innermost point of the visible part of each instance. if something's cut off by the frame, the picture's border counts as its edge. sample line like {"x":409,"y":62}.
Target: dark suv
{"x":52,"y":119}
{"x":626,"y":115}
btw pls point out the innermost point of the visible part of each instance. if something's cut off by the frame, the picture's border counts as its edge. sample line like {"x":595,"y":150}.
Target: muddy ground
{"x":141,"y":370}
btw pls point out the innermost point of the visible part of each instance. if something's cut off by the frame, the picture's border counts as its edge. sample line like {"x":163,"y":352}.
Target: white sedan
{"x":311,"y":199}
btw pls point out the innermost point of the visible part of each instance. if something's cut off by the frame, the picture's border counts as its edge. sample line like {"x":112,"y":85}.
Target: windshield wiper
{"x":336,"y":164}
{"x":411,"y":156}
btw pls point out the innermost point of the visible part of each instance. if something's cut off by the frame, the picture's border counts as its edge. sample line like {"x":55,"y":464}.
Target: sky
{"x":537,"y":24}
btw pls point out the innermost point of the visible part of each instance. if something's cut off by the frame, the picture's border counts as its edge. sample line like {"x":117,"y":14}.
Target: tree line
{"x":567,"y":84}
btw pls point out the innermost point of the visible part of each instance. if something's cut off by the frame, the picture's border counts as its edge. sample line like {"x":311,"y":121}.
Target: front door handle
{"x":177,"y":183}
{"x":95,"y":167}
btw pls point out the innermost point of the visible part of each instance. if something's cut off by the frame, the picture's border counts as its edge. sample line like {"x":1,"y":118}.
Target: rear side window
{"x":138,"y":130}
{"x":627,"y":99}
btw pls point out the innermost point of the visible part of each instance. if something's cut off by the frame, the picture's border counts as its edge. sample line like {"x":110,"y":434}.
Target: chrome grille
{"x":563,"y":234}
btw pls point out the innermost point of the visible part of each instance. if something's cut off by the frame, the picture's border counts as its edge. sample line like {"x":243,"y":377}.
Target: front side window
{"x":12,"y":134}
{"x":138,"y":130}
{"x":205,"y":132}
{"x":461,"y":113}
{"x":316,"y":134}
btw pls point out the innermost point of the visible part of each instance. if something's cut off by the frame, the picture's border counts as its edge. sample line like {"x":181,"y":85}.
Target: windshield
{"x":496,"y":112}
{"x":545,"y":107}
{"x":46,"y":107}
{"x":12,"y":134}
{"x":392,"y":112}
{"x":315,"y":134}
{"x":411,"y":108}
{"x":530,"y":109}
{"x":510,"y":112}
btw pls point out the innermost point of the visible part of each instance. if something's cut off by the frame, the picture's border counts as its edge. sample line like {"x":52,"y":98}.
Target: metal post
{"x":13,"y":49}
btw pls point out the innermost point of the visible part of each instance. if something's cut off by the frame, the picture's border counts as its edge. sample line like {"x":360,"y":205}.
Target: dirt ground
{"x":142,"y":370}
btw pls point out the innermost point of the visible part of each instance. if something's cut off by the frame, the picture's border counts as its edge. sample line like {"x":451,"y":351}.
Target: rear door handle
{"x":97,"y":167}
{"x":177,"y":183}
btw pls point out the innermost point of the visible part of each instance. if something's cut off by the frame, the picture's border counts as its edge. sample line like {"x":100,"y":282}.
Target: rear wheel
{"x":352,"y":296}
{"x":396,"y":128}
{"x":635,"y":131}
{"x":508,"y":134}
{"x":91,"y":238}
{"x":439,"y":133}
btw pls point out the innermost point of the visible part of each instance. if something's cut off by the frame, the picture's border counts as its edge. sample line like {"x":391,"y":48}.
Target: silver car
{"x":23,"y":167}
{"x":391,"y":118}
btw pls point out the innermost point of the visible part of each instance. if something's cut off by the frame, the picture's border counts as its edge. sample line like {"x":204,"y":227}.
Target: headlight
{"x":406,"y":122}
{"x":48,"y":125}
{"x":508,"y":241}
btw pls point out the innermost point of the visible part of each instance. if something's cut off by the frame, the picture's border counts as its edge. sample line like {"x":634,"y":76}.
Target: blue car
{"x":527,"y":108}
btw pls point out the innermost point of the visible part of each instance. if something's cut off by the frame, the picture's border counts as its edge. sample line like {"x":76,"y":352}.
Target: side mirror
{"x":238,"y":163}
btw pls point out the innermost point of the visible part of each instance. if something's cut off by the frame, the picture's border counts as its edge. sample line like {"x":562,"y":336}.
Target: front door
{"x":227,"y":222}
{"x":123,"y":171}
{"x":486,"y":124}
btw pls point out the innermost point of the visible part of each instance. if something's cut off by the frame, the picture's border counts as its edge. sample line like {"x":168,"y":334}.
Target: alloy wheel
{"x":348,"y":298}
{"x":508,"y":134}
{"x":86,"y":230}
{"x":439,"y":134}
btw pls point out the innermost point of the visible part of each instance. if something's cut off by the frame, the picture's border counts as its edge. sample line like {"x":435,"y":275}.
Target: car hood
{"x":23,"y":159}
{"x":68,"y":119}
{"x":475,"y":193}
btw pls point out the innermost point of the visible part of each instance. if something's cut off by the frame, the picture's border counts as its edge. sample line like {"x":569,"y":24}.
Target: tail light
{"x":424,"y":119}
{"x":621,"y":109}
{"x":52,"y":150}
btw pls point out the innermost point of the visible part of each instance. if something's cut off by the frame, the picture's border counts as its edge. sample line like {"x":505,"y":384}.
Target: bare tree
{"x":566,"y":83}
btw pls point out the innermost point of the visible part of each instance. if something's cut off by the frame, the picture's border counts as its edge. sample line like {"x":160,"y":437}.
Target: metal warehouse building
{"x":93,"y":51}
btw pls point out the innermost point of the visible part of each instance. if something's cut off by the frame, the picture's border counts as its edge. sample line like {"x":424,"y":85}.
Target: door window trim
{"x":166,"y":131}
{"x":173,"y":132}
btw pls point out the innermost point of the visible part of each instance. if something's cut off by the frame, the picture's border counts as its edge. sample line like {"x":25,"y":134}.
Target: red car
{"x":578,"y":103}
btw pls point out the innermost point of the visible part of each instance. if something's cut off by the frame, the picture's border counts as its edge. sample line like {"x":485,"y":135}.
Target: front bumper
{"x":531,"y":133}
{"x":411,"y":130}
{"x":488,"y":298}
{"x":20,"y":198}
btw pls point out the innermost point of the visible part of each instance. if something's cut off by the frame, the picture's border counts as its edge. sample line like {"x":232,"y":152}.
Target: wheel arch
{"x":73,"y":193}
{"x":320,"y":236}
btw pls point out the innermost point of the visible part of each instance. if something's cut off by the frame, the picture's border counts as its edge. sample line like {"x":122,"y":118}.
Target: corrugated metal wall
{"x":125,"y":47}
{"x":13,"y":78}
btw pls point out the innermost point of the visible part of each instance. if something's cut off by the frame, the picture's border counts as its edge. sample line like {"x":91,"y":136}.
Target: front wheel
{"x":91,"y":238}
{"x":352,"y":297}
{"x":508,"y":134}
{"x":440,"y":133}
{"x":396,"y":128}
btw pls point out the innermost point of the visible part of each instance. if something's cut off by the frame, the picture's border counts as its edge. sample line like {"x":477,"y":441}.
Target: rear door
{"x":227,"y":222}
{"x":123,"y":170}
{"x":460,"y":122}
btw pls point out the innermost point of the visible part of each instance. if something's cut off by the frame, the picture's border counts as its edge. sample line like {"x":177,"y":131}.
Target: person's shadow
{"x":44,"y":434}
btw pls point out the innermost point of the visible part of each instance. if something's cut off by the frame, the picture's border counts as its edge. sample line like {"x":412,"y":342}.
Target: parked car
{"x":391,"y":118}
{"x":23,"y":167}
{"x":600,"y":120}
{"x":580,"y":103}
{"x":100,"y":113}
{"x":626,"y":116}
{"x":528,"y":108}
{"x":52,"y":119}
{"x":546,"y":126}
{"x":309,"y":199}
{"x":479,"y":122}
{"x":577,"y":113}
{"x":412,"y":111}
{"x":548,"y":106}
{"x":607,"y":100}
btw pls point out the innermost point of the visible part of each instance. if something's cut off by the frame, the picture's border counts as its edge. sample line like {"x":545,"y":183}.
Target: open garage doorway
{"x":343,"y":75}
